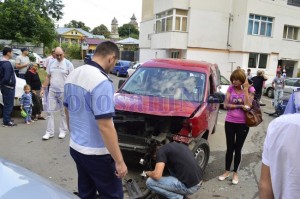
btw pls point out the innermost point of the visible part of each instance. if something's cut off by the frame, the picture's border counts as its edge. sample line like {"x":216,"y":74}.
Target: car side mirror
{"x":121,"y":82}
{"x":217,"y":97}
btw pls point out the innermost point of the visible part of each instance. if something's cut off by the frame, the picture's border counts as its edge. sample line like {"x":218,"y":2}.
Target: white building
{"x":256,"y":34}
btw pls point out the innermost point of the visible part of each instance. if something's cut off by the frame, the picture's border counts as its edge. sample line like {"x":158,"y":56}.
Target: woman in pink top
{"x":238,"y":99}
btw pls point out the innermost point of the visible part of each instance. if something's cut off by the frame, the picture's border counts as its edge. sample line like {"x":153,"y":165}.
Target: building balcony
{"x":169,"y":40}
{"x":164,"y":5}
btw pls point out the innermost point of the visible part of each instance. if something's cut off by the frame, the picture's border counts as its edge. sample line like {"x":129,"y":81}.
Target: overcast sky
{"x":96,"y":12}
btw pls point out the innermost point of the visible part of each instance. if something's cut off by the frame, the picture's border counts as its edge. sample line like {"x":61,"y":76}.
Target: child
{"x":26,"y":103}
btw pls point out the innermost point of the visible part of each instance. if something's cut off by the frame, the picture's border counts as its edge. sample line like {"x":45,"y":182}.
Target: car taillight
{"x":186,"y":128}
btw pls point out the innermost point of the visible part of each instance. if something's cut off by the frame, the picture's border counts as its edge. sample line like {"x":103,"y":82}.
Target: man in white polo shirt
{"x":280,"y":171}
{"x":57,"y":72}
{"x":90,"y":109}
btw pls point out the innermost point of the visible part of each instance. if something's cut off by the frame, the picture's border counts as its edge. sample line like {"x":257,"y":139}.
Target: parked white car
{"x":224,"y":84}
{"x":38,"y":59}
{"x":132,"y":69}
{"x":290,"y":85}
{"x":20,"y":83}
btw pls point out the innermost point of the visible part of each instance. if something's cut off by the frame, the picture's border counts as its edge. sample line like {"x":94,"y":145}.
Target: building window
{"x":257,"y":60}
{"x":171,"y":20}
{"x":294,"y":2}
{"x":175,"y":54}
{"x":291,"y":32}
{"x":260,"y":25}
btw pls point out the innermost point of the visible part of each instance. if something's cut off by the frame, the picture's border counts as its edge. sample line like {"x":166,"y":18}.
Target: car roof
{"x":182,"y":64}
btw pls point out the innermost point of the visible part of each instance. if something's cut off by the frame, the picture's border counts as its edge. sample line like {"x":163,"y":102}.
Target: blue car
{"x":121,"y":68}
{"x":88,"y":57}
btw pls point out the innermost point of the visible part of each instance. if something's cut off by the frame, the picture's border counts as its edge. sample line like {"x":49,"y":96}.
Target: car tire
{"x":270,"y":92}
{"x":201,"y":152}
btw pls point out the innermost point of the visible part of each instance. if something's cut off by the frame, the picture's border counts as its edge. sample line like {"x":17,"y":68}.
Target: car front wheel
{"x":201,"y":152}
{"x":270,"y":93}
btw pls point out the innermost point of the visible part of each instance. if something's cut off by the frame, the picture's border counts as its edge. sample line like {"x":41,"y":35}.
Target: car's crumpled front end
{"x":135,"y":130}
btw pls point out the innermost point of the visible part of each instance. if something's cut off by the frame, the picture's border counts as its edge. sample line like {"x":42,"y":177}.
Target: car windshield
{"x":224,"y":81}
{"x":169,"y":83}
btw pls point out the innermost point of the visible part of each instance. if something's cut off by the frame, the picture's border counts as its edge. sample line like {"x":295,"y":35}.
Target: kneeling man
{"x":185,"y":174}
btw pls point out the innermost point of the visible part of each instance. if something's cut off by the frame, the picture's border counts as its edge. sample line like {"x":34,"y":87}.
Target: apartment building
{"x":255,"y":34}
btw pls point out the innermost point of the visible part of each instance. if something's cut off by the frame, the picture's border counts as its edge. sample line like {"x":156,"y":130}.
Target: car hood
{"x":18,"y":182}
{"x":154,"y":105}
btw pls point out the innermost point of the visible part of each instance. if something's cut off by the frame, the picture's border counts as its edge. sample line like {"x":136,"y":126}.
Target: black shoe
{"x":10,"y":121}
{"x":9,"y":124}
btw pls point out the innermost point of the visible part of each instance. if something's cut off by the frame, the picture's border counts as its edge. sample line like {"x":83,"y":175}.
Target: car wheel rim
{"x":270,"y":91}
{"x":200,"y":156}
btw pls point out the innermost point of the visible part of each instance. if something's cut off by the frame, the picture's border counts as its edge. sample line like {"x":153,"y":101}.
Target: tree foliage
{"x":101,"y":30}
{"x":29,"y":20}
{"x":128,"y":30}
{"x":77,"y":24}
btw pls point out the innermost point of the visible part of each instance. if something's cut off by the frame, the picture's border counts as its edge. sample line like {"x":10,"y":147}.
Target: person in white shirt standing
{"x":280,"y":170}
{"x":278,"y":86}
{"x":57,"y":72}
{"x":23,"y":62}
{"x":49,"y":59}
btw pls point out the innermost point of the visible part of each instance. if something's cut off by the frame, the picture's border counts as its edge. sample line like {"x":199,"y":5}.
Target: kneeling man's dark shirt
{"x":180,"y":162}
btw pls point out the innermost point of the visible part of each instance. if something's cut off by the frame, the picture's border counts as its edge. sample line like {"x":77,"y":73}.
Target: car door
{"x":289,"y":85}
{"x":212,"y":107}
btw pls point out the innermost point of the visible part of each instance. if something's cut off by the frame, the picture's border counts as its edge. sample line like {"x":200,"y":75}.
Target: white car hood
{"x":20,"y":83}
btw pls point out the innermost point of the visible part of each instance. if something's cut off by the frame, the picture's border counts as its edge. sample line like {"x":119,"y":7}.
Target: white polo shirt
{"x":88,"y":97}
{"x":281,"y":153}
{"x":59,"y":72}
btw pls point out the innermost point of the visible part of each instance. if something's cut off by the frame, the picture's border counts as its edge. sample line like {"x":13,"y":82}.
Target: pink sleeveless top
{"x":237,"y":115}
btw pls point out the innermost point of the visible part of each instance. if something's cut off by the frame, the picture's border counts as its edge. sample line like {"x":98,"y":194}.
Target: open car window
{"x":167,"y":83}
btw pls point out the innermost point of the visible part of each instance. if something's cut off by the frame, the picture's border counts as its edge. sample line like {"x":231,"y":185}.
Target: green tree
{"x":29,"y":20}
{"x":128,"y":30}
{"x":77,"y":24}
{"x":101,"y":30}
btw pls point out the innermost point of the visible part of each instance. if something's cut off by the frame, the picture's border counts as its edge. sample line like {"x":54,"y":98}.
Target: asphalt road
{"x":24,"y":145}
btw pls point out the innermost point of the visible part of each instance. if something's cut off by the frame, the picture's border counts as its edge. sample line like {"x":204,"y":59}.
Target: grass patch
{"x":42,"y":74}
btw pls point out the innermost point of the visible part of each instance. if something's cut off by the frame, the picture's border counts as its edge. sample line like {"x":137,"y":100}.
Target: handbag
{"x":23,"y":113}
{"x":254,"y":115}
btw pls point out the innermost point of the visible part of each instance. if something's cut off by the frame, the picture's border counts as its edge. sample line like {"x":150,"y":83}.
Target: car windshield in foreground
{"x":168,"y":83}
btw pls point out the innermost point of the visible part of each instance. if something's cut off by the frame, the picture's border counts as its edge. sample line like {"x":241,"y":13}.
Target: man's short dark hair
{"x":6,"y":50}
{"x":24,"y":49}
{"x":106,"y":48}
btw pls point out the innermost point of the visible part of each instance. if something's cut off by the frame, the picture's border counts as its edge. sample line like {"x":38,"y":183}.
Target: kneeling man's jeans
{"x":171,"y":187}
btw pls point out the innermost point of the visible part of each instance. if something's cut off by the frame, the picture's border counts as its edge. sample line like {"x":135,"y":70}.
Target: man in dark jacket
{"x":7,"y":84}
{"x":185,"y":174}
{"x":258,"y":83}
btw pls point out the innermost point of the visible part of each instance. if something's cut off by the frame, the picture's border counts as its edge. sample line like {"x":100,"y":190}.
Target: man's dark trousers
{"x":8,"y":95}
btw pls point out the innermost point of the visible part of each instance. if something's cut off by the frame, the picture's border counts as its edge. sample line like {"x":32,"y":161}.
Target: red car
{"x":169,"y":99}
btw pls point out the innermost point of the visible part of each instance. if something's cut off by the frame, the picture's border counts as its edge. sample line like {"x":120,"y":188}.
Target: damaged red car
{"x":169,"y":99}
